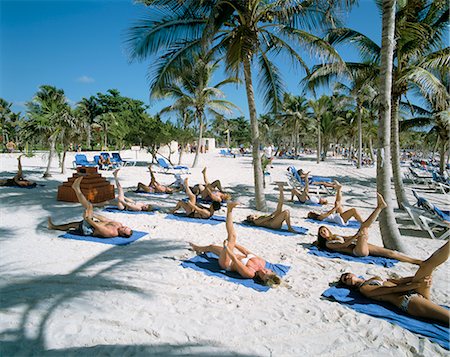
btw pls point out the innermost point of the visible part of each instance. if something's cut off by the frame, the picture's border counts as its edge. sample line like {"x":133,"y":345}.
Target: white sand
{"x":82,"y":298}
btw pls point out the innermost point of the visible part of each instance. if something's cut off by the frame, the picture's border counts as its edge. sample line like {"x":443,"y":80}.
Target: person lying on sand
{"x":194,"y":209}
{"x":18,"y":180}
{"x":245,"y":263}
{"x":411,"y":294}
{"x":337,"y":214}
{"x":210,"y":191}
{"x":125,"y":203}
{"x":274,"y":220}
{"x":304,"y":196}
{"x":357,"y":245}
{"x":154,"y":186}
{"x":92,"y":224}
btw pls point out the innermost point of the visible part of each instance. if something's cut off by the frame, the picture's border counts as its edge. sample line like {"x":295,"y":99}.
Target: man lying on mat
{"x":92,"y":224}
{"x":18,"y":180}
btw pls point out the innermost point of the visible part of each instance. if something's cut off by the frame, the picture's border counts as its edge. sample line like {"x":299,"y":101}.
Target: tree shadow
{"x":53,"y":290}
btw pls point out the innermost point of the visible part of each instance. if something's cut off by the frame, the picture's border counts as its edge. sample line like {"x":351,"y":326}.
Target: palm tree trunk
{"x":51,"y":153}
{"x":319,"y":143}
{"x":200,"y":134}
{"x":442,"y":150}
{"x":88,"y":136}
{"x":388,"y":226}
{"x":181,"y":154}
{"x":358,"y":163}
{"x":258,"y":176}
{"x":371,"y":150}
{"x":395,"y":155}
{"x":63,"y":159}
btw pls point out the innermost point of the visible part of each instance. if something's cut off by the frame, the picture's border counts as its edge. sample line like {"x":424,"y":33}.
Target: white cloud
{"x":85,"y":79}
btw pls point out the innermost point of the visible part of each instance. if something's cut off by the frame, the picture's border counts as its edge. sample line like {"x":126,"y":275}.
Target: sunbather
{"x":92,"y":224}
{"x":125,"y":203}
{"x":210,"y":191}
{"x":337,"y":214}
{"x":276,"y":219}
{"x":18,"y":179}
{"x":411,"y":294}
{"x":194,"y":209}
{"x":357,"y":244}
{"x":245,"y":263}
{"x":313,"y":180}
{"x":154,"y":186}
{"x":304,"y":196}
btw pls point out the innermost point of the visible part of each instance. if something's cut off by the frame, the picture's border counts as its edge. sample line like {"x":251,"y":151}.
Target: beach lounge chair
{"x":296,"y":181}
{"x":81,"y":160}
{"x":226,"y":153}
{"x":166,"y":167}
{"x":440,"y":183}
{"x":117,"y":158}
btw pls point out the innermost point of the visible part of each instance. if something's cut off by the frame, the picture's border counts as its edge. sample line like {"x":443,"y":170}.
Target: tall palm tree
{"x":191,"y":89}
{"x":49,"y":115}
{"x":245,"y":33}
{"x":388,"y":226}
{"x":89,"y":110}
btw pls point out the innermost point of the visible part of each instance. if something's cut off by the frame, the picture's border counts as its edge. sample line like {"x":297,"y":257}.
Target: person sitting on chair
{"x":411,"y":294}
{"x":18,"y":179}
{"x":194,"y":209}
{"x":304,"y":196}
{"x":92,"y":224}
{"x":337,"y":214}
{"x":274,"y":220}
{"x":125,"y":203}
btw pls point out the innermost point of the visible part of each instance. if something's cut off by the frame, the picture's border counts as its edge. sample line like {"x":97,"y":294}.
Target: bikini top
{"x":373,"y":282}
{"x":247,"y":258}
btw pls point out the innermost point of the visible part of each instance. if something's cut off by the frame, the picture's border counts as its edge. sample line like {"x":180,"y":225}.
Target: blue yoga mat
{"x":385,"y":262}
{"x":153,"y":194}
{"x":114,"y":241}
{"x":350,"y":224}
{"x":113,"y":209}
{"x":209,"y":264}
{"x":306,"y":203}
{"x":356,"y":301}
{"x":214,"y":220}
{"x":282,"y":232}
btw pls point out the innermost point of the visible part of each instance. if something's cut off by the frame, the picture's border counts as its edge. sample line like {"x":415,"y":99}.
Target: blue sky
{"x":78,"y":46}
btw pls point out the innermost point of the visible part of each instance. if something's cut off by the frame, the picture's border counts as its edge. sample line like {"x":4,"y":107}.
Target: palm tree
{"x":191,"y":89}
{"x":89,"y":110}
{"x":49,"y":114}
{"x":388,"y":226}
{"x":244,"y":32}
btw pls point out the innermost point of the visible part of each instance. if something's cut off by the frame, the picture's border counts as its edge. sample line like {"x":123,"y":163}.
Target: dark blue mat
{"x":114,"y":241}
{"x":282,"y":232}
{"x":350,"y":224}
{"x":385,"y":262}
{"x":113,"y":209}
{"x":358,"y":302}
{"x":154,"y":194}
{"x":214,"y":220}
{"x":306,"y":203}
{"x":208,"y":264}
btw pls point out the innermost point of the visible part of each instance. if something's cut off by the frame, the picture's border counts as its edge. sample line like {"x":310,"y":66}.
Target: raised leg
{"x":224,"y":258}
{"x":76,"y":187}
{"x":381,"y":204}
{"x":216,"y":184}
{"x":362,"y":247}
{"x":143,"y":187}
{"x":62,"y":227}
{"x":280,"y":198}
{"x":205,"y":179}
{"x":152,"y":176}
{"x":206,"y":249}
{"x":120,"y":193}
{"x":189,"y":193}
{"x":352,"y":212}
{"x":19,"y":168}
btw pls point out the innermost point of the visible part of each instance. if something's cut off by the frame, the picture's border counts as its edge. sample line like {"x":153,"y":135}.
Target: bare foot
{"x":76,"y":183}
{"x":50,"y":223}
{"x":196,"y":248}
{"x":115,"y":172}
{"x":292,"y":230}
{"x":337,"y":184}
{"x":381,"y":203}
{"x":231,"y":205}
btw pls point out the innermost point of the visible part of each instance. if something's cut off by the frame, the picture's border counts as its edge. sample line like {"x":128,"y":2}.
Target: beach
{"x":67,"y":297}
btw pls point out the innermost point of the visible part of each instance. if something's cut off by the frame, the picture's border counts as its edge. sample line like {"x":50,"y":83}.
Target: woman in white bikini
{"x":337,"y":214}
{"x":357,"y":245}
{"x":125,"y":203}
{"x":243,"y":262}
{"x":410,"y":294}
{"x":304,"y":196}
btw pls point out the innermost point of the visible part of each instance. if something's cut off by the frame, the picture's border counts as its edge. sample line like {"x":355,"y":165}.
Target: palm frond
{"x":270,"y":83}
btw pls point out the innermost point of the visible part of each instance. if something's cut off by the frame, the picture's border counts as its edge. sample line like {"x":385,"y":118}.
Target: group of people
{"x":410,"y":294}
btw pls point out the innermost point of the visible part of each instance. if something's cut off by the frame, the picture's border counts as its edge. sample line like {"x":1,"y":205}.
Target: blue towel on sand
{"x":153,"y":194}
{"x":114,"y":241}
{"x":113,"y":209}
{"x":282,"y":232}
{"x":385,"y":262}
{"x":360,"y":303}
{"x":214,"y":220}
{"x":350,"y":224}
{"x":306,"y":203}
{"x":208,"y":263}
